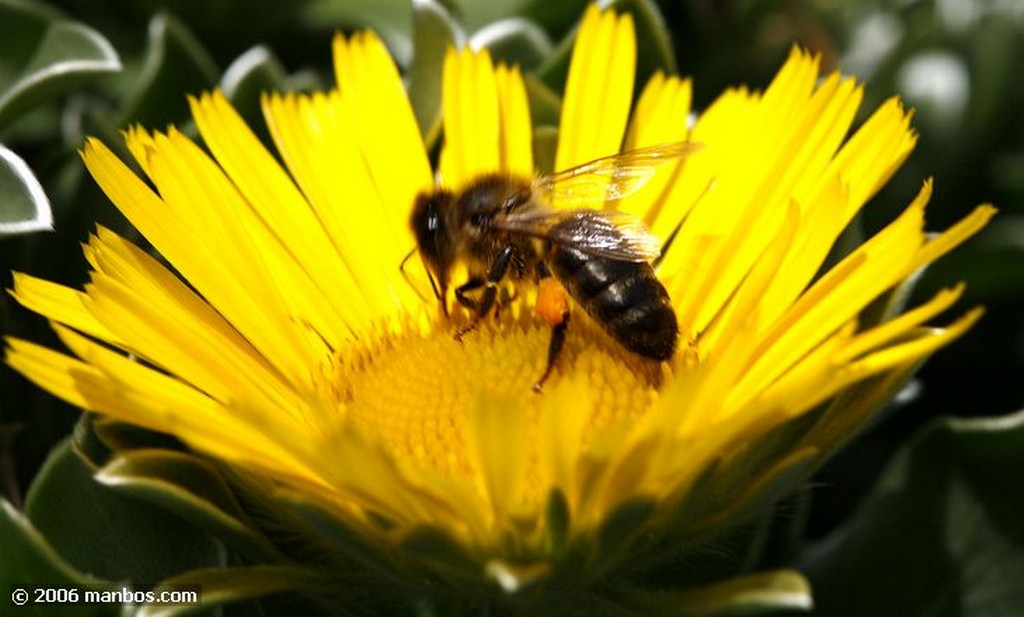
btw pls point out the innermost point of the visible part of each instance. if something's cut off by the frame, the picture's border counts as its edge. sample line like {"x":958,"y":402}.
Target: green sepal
{"x":192,"y":488}
{"x":941,"y":533}
{"x":96,"y":439}
{"x":90,"y":449}
{"x":751,"y":490}
{"x":108,"y":534}
{"x":434,"y":30}
{"x":119,"y":435}
{"x":764,"y":593}
{"x":621,"y":526}
{"x":435,"y":551}
{"x":557,"y":522}
{"x":343,"y":549}
{"x":175,"y":64}
{"x":68,"y":55}
{"x":514,"y":41}
{"x":27,"y":559}
{"x":24,"y":207}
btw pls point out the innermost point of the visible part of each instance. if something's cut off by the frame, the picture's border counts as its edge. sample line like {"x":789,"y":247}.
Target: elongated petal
{"x":599,"y":89}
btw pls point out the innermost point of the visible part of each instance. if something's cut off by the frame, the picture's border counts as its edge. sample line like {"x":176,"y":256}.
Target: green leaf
{"x":557,"y":519}
{"x":390,"y":19}
{"x":221,"y":586}
{"x":514,"y":41}
{"x":654,"y":46}
{"x":24,"y":207}
{"x":551,"y":16}
{"x":87,"y":444}
{"x":68,"y":55}
{"x":545,"y":144}
{"x":176,"y":64}
{"x":545,"y":104}
{"x":22,"y":25}
{"x":554,"y":71}
{"x":623,"y":524}
{"x":940,"y":534}
{"x":254,"y":72}
{"x":27,"y":559}
{"x":192,"y":488}
{"x":111,"y":535}
{"x":434,"y":31}
{"x":654,"y":51}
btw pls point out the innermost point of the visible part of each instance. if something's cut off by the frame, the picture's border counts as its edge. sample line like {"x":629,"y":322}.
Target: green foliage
{"x":28,"y":559}
{"x":940,"y":534}
{"x":109,"y":534}
{"x":24,"y":207}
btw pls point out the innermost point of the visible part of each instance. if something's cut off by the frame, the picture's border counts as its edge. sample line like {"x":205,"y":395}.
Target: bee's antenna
{"x":430,"y":277}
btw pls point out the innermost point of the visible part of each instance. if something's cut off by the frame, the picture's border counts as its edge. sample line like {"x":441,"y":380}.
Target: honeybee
{"x":503,"y":226}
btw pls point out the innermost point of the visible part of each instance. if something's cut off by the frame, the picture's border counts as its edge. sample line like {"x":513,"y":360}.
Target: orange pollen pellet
{"x":552,"y":304}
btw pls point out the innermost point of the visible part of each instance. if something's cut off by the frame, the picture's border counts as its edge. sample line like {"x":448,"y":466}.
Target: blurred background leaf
{"x":99,"y":530}
{"x":940,"y":533}
{"x":24,"y":207}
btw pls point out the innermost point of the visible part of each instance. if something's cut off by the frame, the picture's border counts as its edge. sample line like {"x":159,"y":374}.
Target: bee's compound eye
{"x":478,"y":220}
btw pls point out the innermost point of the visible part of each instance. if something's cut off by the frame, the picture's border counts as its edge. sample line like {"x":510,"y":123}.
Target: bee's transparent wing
{"x":611,"y":178}
{"x":614,"y":235}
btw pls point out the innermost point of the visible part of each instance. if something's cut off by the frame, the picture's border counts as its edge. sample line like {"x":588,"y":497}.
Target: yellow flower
{"x":288,"y":343}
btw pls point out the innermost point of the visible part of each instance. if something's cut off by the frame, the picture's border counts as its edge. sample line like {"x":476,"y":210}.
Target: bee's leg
{"x":460,"y":292}
{"x":490,"y":285}
{"x":554,"y":349}
{"x":553,"y":307}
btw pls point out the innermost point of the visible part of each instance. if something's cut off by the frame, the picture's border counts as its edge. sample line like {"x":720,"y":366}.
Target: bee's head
{"x":430,"y":223}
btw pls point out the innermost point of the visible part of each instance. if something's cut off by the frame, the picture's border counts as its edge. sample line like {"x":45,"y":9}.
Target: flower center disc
{"x":416,"y":390}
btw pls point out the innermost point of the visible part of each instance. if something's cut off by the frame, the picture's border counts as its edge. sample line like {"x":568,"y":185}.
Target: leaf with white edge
{"x":68,"y":54}
{"x":254,"y":72}
{"x":545,"y":104}
{"x":24,"y":207}
{"x":654,"y":49}
{"x":941,"y":533}
{"x":221,"y":586}
{"x":28,"y":559}
{"x":764,"y":593}
{"x":194,"y":489}
{"x":176,"y":63}
{"x":433,"y":32}
{"x":109,"y":534}
{"x":514,"y":41}
{"x":390,"y":19}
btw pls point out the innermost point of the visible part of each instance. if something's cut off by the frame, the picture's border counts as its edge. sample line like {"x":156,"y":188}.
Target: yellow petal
{"x":57,"y":302}
{"x":472,"y":130}
{"x":599,"y":89}
{"x":516,"y":130}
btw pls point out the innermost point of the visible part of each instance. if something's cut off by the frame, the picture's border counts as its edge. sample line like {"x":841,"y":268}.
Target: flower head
{"x":288,"y":343}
